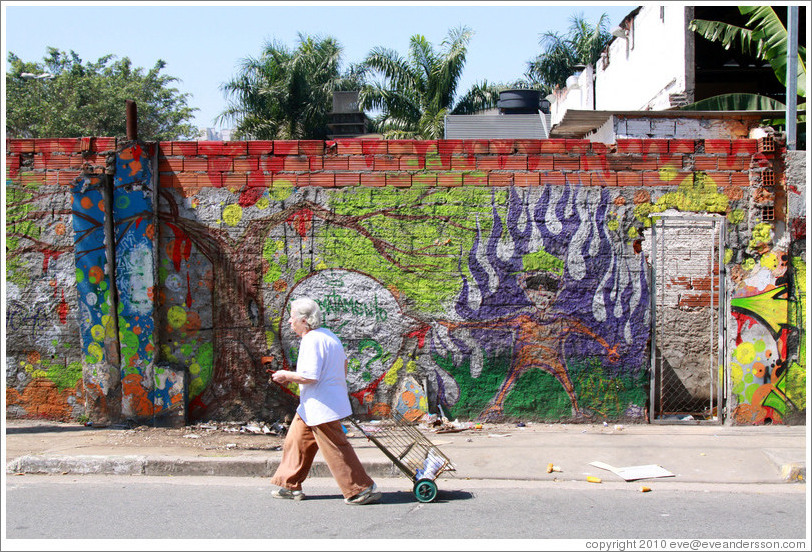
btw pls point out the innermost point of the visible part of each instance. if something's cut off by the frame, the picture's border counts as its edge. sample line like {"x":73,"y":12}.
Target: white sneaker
{"x":287,"y":493}
{"x":366,"y":496}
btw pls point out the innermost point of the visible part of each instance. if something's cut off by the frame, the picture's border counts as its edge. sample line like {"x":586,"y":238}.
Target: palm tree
{"x":419,"y":91}
{"x":582,"y":45}
{"x":287,"y":94}
{"x":763,"y":35}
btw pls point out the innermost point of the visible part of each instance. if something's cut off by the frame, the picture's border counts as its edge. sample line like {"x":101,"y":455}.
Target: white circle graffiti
{"x":361,"y":312}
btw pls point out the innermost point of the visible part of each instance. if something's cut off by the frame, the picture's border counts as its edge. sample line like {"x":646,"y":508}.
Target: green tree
{"x":582,"y":45}
{"x":287,"y":93}
{"x":417,"y":92}
{"x":763,"y":36}
{"x":88,"y":99}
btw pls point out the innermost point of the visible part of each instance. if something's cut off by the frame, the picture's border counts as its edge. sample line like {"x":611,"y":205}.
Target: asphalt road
{"x":144,"y":507}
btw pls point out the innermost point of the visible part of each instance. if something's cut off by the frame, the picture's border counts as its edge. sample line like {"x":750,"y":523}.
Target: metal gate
{"x":688,"y":315}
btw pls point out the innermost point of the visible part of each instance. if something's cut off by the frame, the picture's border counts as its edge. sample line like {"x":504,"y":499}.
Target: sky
{"x":202,"y":43}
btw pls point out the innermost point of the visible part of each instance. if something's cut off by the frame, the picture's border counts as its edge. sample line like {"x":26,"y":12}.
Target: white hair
{"x":308,"y":310}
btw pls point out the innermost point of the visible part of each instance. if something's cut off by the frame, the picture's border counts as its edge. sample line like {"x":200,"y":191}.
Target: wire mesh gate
{"x":688,"y":319}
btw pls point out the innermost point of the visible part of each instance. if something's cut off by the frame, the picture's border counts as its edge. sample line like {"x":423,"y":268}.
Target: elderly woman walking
{"x":321,"y":372}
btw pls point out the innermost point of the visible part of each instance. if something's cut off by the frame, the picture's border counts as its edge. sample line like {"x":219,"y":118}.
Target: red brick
{"x":625,"y":178}
{"x":200,"y":164}
{"x":744,"y":147}
{"x":222,"y":148}
{"x":555,"y":145}
{"x":213,"y":179}
{"x":168,"y":180}
{"x":234,"y":180}
{"x":425,"y":147}
{"x":271,"y":163}
{"x":184,"y":148}
{"x":412,"y":162}
{"x":221,"y":164}
{"x":565,"y":162}
{"x":12,"y":161}
{"x":286,"y":147}
{"x":577,"y":146}
{"x":243,"y":164}
{"x":260,"y":147}
{"x":258,"y":179}
{"x":450,"y":147}
{"x":385,"y":163}
{"x":681,"y":146}
{"x":326,"y":180}
{"x":671,"y":161}
{"x":513,"y":162}
{"x":594,"y":163}
{"x":738,"y":179}
{"x":527,"y":146}
{"x":653,"y":178}
{"x":170,"y":164}
{"x":653,"y":146}
{"x":398,"y":179}
{"x":717,"y":146}
{"x":449,"y":179}
{"x":705,"y":162}
{"x":629,"y":145}
{"x":526,"y":179}
{"x":602,"y":178}
{"x":424,"y":179}
{"x":463,"y":162}
{"x":18,"y":145}
{"x":436,"y":162}
{"x":311,"y":147}
{"x":336,"y":163}
{"x":349,"y":147}
{"x":316,"y":163}
{"x":539,"y":162}
{"x":61,"y":178}
{"x":478,"y":178}
{"x":487,"y":162}
{"x":373,"y":147}
{"x":348,"y":179}
{"x":289,"y":179}
{"x":500,"y":146}
{"x":32,"y":178}
{"x":552,"y":178}
{"x":104,"y":144}
{"x":644,"y":162}
{"x":719,"y":178}
{"x":46,"y":145}
{"x":373,"y":179}
{"x":599,"y":148}
{"x":500,"y":179}
{"x":734,"y":163}
{"x":361,"y":162}
{"x":295,"y":163}
{"x":69,"y":145}
{"x":395,"y":147}
{"x":476,"y":146}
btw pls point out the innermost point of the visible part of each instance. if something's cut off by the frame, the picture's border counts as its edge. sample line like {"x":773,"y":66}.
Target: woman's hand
{"x":282,"y":376}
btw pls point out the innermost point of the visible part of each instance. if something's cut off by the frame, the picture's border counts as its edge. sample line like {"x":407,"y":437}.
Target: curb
{"x":169,"y":465}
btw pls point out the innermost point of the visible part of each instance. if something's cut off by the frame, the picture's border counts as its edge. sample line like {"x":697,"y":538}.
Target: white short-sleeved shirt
{"x":321,"y":358}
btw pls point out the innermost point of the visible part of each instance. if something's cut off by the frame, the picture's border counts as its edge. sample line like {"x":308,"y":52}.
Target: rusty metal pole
{"x":132,"y":120}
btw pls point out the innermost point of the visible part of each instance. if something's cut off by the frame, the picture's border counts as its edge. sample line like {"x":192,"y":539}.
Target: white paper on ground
{"x":631,"y":473}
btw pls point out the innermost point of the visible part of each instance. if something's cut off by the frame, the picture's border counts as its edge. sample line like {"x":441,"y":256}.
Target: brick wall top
{"x":366,"y":162}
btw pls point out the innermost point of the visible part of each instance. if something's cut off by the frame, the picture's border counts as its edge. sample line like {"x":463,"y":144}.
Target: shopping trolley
{"x":411,"y":451}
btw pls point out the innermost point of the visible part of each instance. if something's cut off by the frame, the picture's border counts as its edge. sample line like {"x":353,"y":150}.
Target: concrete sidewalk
{"x":710,"y":454}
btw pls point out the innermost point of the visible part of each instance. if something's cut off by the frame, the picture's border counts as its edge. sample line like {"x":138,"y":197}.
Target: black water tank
{"x":518,"y":101}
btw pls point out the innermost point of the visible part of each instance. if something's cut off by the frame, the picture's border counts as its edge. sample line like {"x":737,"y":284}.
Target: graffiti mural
{"x":449,"y":297}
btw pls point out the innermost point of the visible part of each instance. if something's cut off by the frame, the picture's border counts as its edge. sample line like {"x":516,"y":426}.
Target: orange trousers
{"x":300,"y":447}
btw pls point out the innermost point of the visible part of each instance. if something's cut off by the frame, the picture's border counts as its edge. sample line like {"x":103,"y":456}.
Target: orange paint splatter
{"x":86,"y":203}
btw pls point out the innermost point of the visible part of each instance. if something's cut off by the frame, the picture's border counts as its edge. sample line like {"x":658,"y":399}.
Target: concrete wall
{"x":501,"y":278}
{"x":656,"y":41}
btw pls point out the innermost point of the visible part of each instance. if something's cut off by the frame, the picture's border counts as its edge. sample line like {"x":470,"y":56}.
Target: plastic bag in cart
{"x":431,"y":465}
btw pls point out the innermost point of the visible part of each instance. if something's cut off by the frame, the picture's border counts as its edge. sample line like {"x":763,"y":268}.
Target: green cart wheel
{"x":425,"y":490}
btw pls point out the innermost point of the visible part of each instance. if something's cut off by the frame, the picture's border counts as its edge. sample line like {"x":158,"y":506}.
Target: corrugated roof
{"x":472,"y":127}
